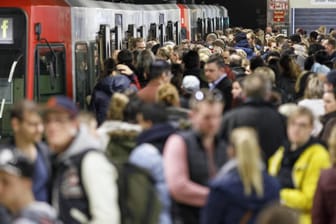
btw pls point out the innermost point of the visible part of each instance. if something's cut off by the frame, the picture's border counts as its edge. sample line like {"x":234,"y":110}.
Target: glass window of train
{"x":118,"y":20}
{"x":50,"y":72}
{"x":94,"y":61}
{"x":161,"y":18}
{"x":82,"y":75}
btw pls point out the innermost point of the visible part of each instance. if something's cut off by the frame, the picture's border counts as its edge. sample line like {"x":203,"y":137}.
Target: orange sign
{"x":279,"y":16}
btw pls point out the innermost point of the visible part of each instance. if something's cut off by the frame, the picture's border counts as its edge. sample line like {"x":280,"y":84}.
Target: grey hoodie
{"x":37,"y":213}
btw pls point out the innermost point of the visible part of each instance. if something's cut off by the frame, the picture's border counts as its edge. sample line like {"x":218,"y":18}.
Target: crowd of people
{"x":238,"y":128}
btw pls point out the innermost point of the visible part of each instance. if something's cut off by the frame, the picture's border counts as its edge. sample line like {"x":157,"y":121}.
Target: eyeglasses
{"x":300,"y":125}
{"x":207,"y":95}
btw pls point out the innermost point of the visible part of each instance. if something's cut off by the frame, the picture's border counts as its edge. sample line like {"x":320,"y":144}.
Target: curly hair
{"x":167,"y":94}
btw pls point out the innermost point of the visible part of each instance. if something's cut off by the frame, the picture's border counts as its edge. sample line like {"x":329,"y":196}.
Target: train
{"x":55,"y":47}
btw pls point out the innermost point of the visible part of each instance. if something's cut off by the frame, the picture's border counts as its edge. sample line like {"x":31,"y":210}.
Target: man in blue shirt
{"x":27,"y":127}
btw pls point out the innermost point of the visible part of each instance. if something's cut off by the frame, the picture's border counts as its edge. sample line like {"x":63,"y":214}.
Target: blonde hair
{"x":118,"y":103}
{"x":301,"y":111}
{"x":245,"y":143}
{"x":168,"y":95}
{"x":332,"y":145}
{"x":163,"y":53}
{"x":314,"y":88}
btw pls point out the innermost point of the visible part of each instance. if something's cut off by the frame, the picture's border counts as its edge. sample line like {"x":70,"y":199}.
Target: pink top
{"x":175,"y":163}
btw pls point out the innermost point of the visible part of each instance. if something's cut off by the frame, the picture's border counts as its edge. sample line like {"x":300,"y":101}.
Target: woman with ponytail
{"x":242,"y":187}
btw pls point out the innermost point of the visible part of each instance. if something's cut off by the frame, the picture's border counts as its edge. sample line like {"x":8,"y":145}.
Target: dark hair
{"x":321,"y":57}
{"x":155,"y":48}
{"x":109,"y":66}
{"x":125,"y":57}
{"x":217,"y":59}
{"x":177,"y":71}
{"x":308,"y":63}
{"x":153,"y":112}
{"x":295,"y":38}
{"x":132,"y":108}
{"x":157,"y":68}
{"x":313,"y":35}
{"x":255,"y":62}
{"x":313,"y":48}
{"x":191,"y":60}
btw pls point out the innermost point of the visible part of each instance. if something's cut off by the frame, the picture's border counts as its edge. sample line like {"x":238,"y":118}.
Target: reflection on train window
{"x":82,"y":75}
{"x":7,"y":58}
{"x":50,"y":72}
{"x":12,"y":74}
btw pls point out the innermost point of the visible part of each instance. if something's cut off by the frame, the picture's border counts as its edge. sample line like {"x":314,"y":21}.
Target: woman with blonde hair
{"x":168,"y":96}
{"x":242,"y":188}
{"x":313,"y":100}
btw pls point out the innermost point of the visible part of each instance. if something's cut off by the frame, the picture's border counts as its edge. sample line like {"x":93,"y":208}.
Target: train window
{"x":161,"y":18}
{"x":11,"y":69}
{"x":50,"y":72}
{"x":152,"y":32}
{"x":118,"y":20}
{"x":82,"y":75}
{"x":200,"y":32}
{"x":118,"y":31}
{"x":94,"y":61}
{"x":6,"y":90}
{"x":169,"y":31}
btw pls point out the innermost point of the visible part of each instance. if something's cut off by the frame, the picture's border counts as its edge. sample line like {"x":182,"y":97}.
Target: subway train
{"x":51,"y":47}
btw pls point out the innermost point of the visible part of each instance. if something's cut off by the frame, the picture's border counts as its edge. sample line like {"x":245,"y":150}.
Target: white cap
{"x":190,"y":83}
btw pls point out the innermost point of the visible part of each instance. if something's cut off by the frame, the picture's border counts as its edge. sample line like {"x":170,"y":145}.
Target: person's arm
{"x":100,"y":182}
{"x":302,"y":197}
{"x":215,"y":208}
{"x":176,"y":171}
{"x":319,"y":209}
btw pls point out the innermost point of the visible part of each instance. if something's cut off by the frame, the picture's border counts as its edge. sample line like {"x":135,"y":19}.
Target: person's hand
{"x":124,"y":69}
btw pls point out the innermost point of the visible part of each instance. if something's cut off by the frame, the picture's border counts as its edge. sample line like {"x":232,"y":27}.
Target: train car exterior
{"x":52,"y":47}
{"x":35,"y":52}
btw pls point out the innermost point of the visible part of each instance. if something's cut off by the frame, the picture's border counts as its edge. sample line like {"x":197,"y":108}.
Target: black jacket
{"x":262,"y":116}
{"x":225,"y":86}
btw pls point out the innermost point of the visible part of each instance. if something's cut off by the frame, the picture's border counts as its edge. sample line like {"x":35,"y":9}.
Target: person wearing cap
{"x":190,"y":84}
{"x":84,"y":186}
{"x":27,"y":126}
{"x":16,"y":183}
{"x":191,"y":158}
{"x":214,"y":70}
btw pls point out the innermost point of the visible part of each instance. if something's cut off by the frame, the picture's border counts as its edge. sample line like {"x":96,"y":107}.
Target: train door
{"x":82,"y":75}
{"x":50,"y":73}
{"x":161,"y":28}
{"x":116,"y":33}
{"x":13,"y":63}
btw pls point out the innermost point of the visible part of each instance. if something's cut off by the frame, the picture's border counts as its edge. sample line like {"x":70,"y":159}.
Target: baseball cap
{"x":190,"y":83}
{"x":61,"y":104}
{"x":13,"y":162}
